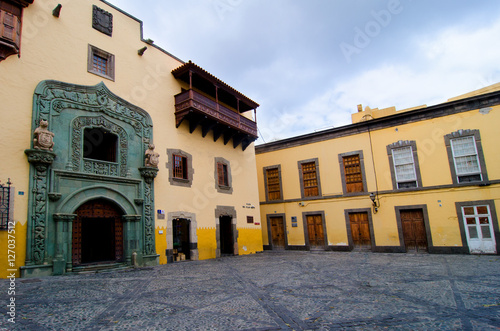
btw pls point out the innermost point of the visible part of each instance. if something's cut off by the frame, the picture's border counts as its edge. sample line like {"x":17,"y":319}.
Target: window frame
{"x":226,"y":187}
{"x":479,"y":154}
{"x":341,"y":157}
{"x":301,"y":177}
{"x":110,"y":62}
{"x":189,"y":170}
{"x":266,"y":182}
{"x":416,"y":166}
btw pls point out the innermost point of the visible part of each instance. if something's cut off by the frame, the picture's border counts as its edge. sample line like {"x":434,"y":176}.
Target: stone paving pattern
{"x":270,"y":291}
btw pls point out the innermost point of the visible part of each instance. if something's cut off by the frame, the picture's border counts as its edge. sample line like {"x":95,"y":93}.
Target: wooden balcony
{"x":201,"y":110}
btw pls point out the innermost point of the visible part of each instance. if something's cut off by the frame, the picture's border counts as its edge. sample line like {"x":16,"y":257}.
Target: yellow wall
{"x":56,"y":48}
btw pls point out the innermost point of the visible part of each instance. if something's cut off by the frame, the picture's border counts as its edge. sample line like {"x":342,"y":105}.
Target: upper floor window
{"x":351,"y":168}
{"x":223,"y":175}
{"x":466,"y":157}
{"x":100,"y":144}
{"x":272,"y":177}
{"x":309,"y":178}
{"x":101,"y":63}
{"x":403,"y":159}
{"x":180,"y":165}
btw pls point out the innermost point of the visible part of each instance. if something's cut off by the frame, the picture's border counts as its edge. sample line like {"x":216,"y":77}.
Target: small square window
{"x":101,"y":63}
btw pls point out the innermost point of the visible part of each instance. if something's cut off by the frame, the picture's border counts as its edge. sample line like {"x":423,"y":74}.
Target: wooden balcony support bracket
{"x":207,"y":126}
{"x":228,"y":134}
{"x":194,"y":121}
{"x":218,"y":131}
{"x":237,"y":139}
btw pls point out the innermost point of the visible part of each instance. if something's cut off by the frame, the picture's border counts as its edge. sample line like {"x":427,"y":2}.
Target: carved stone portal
{"x":44,"y":139}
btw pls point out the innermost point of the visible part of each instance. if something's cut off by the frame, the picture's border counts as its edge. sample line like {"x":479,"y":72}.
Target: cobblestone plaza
{"x":270,"y":291}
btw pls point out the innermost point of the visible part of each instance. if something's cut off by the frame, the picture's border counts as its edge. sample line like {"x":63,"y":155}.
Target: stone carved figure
{"x":44,"y":139}
{"x":152,"y":158}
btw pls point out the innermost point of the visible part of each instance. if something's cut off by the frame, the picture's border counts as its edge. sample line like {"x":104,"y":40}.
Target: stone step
{"x":95,"y":268}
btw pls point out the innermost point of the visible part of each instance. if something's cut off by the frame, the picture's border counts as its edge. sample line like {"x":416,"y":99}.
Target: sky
{"x":310,"y":63}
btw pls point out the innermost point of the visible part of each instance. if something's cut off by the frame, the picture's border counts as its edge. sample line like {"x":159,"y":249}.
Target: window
{"x":10,"y":27}
{"x":222,"y":174}
{"x":309,"y":178}
{"x":352,"y":173}
{"x":403,"y":160}
{"x":100,"y":144}
{"x":272,"y":178}
{"x":101,"y":63}
{"x":180,"y":167}
{"x":466,"y":158}
{"x":223,"y":180}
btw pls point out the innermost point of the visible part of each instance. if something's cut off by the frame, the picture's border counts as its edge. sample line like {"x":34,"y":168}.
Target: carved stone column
{"x":149,"y":174}
{"x":41,"y":160}
{"x":64,"y":228}
{"x":131,"y":230}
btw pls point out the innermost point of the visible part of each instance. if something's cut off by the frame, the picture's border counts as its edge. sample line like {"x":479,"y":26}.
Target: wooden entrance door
{"x":97,"y":233}
{"x":414,"y":234}
{"x":315,"y":231}
{"x":360,"y":230}
{"x":277,"y":232}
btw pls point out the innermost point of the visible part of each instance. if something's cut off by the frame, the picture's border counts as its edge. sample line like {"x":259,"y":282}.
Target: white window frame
{"x":479,"y":172}
{"x":398,"y":181}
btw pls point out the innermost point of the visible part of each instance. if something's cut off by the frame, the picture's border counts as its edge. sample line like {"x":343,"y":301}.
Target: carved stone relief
{"x":102,"y":20}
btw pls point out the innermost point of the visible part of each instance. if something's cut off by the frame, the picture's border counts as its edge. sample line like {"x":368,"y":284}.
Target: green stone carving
{"x":59,"y":185}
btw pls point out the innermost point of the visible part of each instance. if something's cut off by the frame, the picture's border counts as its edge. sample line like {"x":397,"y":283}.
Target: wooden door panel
{"x":360,"y":230}
{"x":315,"y":230}
{"x":414,"y":233}
{"x":277,"y":232}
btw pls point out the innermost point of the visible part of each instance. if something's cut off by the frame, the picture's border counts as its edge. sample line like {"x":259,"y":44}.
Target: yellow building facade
{"x":424,"y":179}
{"x":117,"y":152}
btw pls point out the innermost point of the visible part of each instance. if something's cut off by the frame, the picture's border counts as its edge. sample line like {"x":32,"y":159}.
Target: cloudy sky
{"x":310,"y":63}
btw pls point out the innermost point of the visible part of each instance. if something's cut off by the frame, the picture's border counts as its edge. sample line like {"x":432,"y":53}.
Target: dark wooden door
{"x":277,"y":232}
{"x":226,"y":235}
{"x":414,"y":233}
{"x":315,"y":231}
{"x":97,"y":233}
{"x":360,"y":230}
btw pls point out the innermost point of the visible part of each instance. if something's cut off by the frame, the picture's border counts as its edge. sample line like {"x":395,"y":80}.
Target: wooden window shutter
{"x":221,"y":174}
{"x":310,"y":179}
{"x":273,"y":184}
{"x":353,"y":175}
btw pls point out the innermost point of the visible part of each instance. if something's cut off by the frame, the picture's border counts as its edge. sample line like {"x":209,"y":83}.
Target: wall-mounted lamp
{"x":375,"y":201}
{"x":142,"y":50}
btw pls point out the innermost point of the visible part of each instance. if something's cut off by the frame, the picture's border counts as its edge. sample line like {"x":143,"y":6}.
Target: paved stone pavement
{"x":270,"y":291}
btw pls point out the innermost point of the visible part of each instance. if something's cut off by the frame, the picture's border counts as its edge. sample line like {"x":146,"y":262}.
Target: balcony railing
{"x":209,"y":113}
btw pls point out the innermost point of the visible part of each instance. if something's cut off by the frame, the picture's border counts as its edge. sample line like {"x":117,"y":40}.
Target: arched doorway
{"x":97,"y":233}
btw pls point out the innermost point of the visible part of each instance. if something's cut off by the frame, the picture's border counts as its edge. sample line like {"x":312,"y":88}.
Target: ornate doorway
{"x":97,"y":233}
